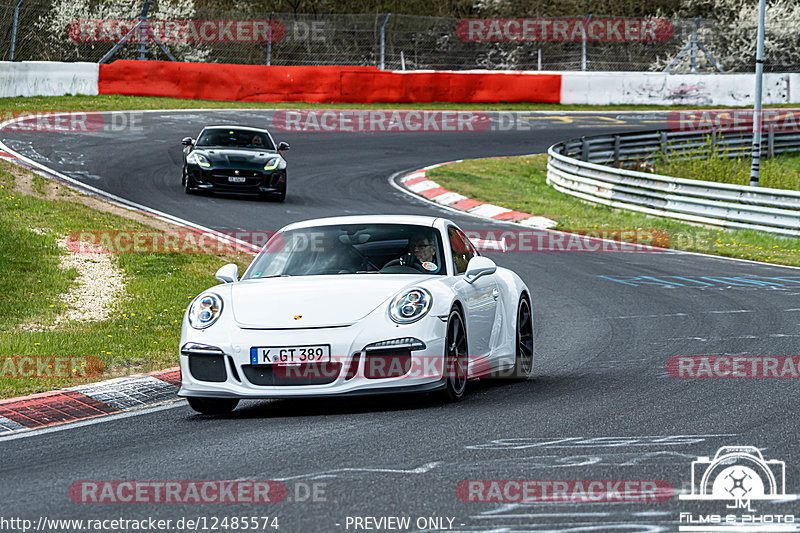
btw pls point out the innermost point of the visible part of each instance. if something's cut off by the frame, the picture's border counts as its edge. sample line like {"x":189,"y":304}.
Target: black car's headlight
{"x":273,"y":163}
{"x":197,"y":159}
{"x":410,"y":306}
{"x":204,"y":311}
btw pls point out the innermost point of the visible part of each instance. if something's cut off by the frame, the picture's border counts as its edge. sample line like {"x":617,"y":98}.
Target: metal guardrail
{"x":588,"y":168}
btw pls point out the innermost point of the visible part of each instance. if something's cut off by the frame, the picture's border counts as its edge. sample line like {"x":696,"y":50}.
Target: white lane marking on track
{"x":427,"y":467}
{"x":91,"y":421}
{"x":640,"y":316}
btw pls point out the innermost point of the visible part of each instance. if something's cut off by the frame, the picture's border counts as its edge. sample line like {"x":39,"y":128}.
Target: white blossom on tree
{"x":54,"y":27}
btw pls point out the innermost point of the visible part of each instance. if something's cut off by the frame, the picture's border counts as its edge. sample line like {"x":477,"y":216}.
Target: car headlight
{"x":273,"y":163}
{"x":198,"y":159}
{"x":410,"y":306}
{"x":205,"y":310}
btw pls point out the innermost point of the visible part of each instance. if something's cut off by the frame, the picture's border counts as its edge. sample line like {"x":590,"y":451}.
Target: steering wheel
{"x":401,"y":262}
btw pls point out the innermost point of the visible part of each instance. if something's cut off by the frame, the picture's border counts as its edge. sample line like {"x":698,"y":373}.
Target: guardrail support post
{"x":616,"y":150}
{"x":584,"y":149}
{"x":663,"y":143}
{"x":771,"y":141}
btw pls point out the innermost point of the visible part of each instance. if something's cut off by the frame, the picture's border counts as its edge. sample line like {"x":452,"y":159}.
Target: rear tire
{"x":455,"y":365}
{"x":523,"y":364}
{"x":213,"y":406}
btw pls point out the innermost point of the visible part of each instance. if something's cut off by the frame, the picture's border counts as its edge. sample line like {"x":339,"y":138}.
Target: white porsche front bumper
{"x":223,"y":353}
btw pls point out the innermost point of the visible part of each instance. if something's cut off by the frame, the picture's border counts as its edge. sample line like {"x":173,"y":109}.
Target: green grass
{"x":520,"y":183}
{"x":780,"y":172}
{"x":117,"y":102}
{"x":143,"y":331}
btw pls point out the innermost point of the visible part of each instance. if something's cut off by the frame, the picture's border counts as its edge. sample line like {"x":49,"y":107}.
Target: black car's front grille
{"x":280,"y":375}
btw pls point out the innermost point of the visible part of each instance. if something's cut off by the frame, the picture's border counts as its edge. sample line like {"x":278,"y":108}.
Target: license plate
{"x":290,"y":355}
{"x":236,"y":179}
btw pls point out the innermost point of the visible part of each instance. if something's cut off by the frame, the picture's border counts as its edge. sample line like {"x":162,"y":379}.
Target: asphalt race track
{"x":601,"y":406}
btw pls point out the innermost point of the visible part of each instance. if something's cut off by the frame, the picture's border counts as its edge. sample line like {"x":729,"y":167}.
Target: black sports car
{"x":236,"y":159}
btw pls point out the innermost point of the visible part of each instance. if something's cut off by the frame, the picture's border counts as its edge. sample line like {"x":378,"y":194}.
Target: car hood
{"x":233,"y":158}
{"x":314,"y":301}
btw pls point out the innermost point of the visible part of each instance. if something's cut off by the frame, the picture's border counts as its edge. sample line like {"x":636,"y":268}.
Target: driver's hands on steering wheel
{"x":408,"y":260}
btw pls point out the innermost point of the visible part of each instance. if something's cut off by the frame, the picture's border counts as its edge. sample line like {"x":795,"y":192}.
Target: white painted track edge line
{"x":99,"y":419}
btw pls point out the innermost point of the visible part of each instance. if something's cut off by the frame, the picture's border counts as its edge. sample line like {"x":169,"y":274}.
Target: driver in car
{"x":421,"y":254}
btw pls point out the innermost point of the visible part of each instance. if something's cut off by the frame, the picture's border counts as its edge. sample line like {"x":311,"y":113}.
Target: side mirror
{"x":479,"y":266}
{"x":187,"y":141}
{"x":228,"y":274}
{"x":283,"y":146}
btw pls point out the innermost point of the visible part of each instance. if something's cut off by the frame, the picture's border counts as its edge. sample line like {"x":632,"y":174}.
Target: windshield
{"x":236,"y":139}
{"x":351,"y":249}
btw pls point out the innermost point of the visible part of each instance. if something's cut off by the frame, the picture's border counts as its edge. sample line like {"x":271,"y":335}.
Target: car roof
{"x":412,"y":220}
{"x":233,"y":126}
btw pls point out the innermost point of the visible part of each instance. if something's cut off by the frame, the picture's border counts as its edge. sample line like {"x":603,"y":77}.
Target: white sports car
{"x":355,"y":305}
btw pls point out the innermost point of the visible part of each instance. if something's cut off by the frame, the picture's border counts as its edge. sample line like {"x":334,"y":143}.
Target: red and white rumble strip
{"x":88,"y":401}
{"x":417,"y":183}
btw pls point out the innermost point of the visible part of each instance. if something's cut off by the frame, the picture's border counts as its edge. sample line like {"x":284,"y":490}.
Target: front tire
{"x":281,"y":196}
{"x":455,"y":366}
{"x":186,"y":182}
{"x":213,"y":406}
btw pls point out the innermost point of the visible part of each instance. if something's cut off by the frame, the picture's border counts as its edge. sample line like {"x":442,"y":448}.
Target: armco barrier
{"x":580,"y":168}
{"x":47,"y":78}
{"x":322,"y":84}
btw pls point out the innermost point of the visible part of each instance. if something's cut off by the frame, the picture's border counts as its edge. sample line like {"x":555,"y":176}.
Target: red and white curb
{"x":418,"y":183}
{"x":88,"y":401}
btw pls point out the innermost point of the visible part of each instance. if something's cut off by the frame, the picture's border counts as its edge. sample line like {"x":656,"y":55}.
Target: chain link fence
{"x":66,"y":30}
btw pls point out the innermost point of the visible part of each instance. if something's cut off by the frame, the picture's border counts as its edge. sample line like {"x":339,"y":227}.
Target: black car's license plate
{"x":236,"y":179}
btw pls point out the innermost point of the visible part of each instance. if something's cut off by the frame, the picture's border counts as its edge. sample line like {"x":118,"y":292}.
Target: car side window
{"x":461,"y":249}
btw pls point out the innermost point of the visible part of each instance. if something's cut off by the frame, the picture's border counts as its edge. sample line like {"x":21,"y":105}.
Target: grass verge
{"x":520,"y":183}
{"x":780,"y":172}
{"x":144,"y":326}
{"x":118,"y":102}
